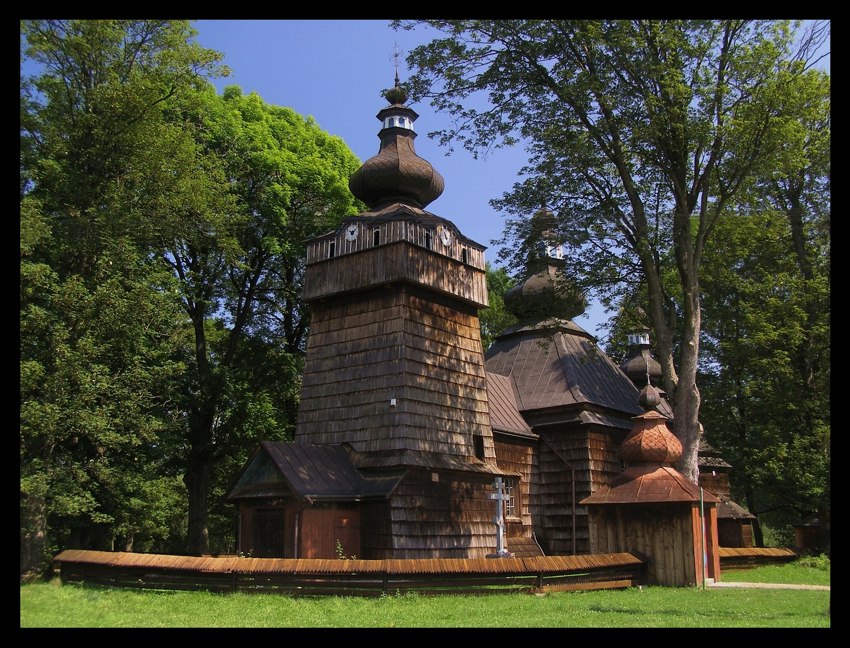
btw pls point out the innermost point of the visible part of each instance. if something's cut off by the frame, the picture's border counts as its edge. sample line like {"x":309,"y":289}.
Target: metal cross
{"x":499,"y":519}
{"x":396,"y":56}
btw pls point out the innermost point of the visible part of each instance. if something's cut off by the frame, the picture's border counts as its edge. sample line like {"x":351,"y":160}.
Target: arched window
{"x":376,"y":237}
{"x":332,"y":250}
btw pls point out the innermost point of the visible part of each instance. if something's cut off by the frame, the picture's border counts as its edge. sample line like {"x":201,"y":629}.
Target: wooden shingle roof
{"x":648,"y":483}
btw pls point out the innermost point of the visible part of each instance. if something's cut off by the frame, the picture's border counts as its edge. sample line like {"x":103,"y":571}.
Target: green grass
{"x":806,"y":571}
{"x":50,"y":604}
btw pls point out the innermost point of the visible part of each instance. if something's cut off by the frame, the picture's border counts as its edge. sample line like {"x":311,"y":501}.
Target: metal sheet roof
{"x":556,"y":367}
{"x":317,"y":472}
{"x":504,"y":410}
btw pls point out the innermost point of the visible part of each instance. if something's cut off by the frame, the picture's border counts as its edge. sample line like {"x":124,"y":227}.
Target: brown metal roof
{"x":648,"y":483}
{"x":504,"y":410}
{"x":730,"y":510}
{"x":556,"y":364}
{"x":316,"y":472}
{"x":709,"y":456}
{"x":428,"y":460}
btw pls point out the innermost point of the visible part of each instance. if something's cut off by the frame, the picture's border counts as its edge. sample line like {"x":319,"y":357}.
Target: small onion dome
{"x":650,"y":441}
{"x":545,"y":295}
{"x":396,"y":173}
{"x":649,"y":398}
{"x":640,"y":365}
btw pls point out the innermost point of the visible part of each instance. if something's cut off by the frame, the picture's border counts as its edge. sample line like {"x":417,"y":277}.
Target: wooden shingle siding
{"x":593,"y":456}
{"x":405,"y":345}
{"x":447,"y":518}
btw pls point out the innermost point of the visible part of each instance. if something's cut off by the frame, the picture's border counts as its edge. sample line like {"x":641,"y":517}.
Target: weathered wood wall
{"x":593,"y":454}
{"x":442,"y":514}
{"x":322,"y":528}
{"x":515,"y":455}
{"x":393,"y":263}
{"x":666,"y":533}
{"x":404,"y":344}
{"x":716,"y":484}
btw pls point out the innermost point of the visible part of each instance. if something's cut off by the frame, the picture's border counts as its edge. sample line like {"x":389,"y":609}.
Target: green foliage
{"x":820,"y":562}
{"x":641,"y":134}
{"x":495,"y":318}
{"x":162,"y":331}
{"x":766,"y":369}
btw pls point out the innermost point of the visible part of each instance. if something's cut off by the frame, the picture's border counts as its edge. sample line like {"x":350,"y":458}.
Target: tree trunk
{"x":750,"y":498}
{"x":33,"y":536}
{"x":197,"y":479}
{"x":686,"y":399}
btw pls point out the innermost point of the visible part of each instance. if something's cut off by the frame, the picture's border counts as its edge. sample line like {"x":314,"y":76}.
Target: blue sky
{"x":334,"y":71}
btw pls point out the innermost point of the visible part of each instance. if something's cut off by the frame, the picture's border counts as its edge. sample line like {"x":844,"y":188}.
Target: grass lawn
{"x":50,"y":604}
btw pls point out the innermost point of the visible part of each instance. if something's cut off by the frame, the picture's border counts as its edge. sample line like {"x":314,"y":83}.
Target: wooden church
{"x":404,"y":425}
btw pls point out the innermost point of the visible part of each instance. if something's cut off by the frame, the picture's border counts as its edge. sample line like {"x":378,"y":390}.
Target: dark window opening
{"x":428,"y":239}
{"x":376,"y":237}
{"x":478,"y":446}
{"x":267,"y":533}
{"x":464,"y":257}
{"x":332,"y":250}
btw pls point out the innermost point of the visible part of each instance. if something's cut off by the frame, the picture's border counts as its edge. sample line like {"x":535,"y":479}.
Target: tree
{"x":96,"y":367}
{"x":643,"y":134}
{"x":99,"y":331}
{"x":240,"y":273}
{"x":770,"y":419}
{"x":495,"y":318}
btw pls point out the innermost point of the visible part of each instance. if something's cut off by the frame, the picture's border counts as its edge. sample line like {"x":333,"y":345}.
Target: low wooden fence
{"x":352,"y":577}
{"x":747,"y":558}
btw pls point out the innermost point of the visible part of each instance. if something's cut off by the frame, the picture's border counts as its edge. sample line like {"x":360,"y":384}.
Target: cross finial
{"x":396,"y":56}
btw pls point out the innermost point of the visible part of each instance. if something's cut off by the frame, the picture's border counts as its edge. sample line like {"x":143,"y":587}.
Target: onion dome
{"x":640,"y":366}
{"x":650,"y":441}
{"x":396,"y":174}
{"x":545,"y":293}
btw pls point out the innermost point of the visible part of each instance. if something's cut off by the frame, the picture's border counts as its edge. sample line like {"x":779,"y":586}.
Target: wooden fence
{"x":352,"y":577}
{"x":749,"y":557}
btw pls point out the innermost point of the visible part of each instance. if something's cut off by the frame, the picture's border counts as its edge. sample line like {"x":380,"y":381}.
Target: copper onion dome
{"x":650,"y":440}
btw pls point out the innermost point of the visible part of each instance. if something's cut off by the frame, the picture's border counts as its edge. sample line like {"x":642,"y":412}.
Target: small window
{"x":511,"y":497}
{"x":376,"y":237}
{"x":464,"y":257}
{"x":478,"y":446}
{"x":332,"y":250}
{"x":428,"y":239}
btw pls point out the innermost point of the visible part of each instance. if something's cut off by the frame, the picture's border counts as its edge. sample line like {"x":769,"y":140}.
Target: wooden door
{"x":321,"y":529}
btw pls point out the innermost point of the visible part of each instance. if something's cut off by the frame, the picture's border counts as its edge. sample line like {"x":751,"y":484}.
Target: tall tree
{"x":240,"y":272}
{"x":98,"y":324}
{"x":770,"y":419}
{"x":642,"y":133}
